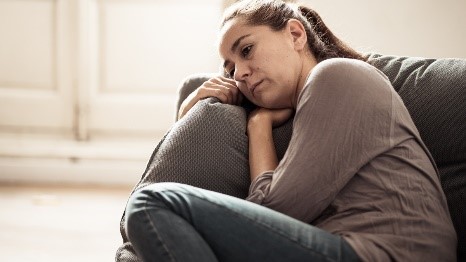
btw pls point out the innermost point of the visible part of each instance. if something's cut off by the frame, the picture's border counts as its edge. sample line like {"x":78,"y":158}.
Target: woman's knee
{"x":172,"y":196}
{"x":152,"y":195}
{"x":145,"y":199}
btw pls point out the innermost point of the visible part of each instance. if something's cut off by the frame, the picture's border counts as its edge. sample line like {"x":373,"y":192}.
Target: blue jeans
{"x":176,"y":222}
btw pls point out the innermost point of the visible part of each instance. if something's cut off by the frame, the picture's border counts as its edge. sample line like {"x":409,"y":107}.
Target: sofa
{"x":208,"y":147}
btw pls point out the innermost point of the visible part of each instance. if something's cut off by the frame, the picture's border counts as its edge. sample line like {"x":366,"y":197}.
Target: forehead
{"x":231,"y":31}
{"x":235,"y":29}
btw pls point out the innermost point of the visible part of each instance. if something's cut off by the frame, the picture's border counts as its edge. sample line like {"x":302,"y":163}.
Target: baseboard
{"x":59,"y":161}
{"x":80,"y":171}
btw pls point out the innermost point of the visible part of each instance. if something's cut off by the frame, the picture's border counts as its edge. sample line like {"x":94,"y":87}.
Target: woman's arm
{"x":262,"y":155}
{"x":343,"y":120}
{"x":222,"y":88}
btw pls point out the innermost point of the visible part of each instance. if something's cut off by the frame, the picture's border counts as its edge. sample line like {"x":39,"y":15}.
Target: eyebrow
{"x":234,"y":46}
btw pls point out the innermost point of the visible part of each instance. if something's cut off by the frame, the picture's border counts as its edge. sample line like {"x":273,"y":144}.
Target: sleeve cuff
{"x":260,"y":187}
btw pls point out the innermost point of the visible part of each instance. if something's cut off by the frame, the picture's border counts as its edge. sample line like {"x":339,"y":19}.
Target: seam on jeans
{"x":274,"y":230}
{"x":156,"y":235}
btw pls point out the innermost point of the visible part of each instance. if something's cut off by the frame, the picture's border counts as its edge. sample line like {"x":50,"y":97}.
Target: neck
{"x":308,"y":64}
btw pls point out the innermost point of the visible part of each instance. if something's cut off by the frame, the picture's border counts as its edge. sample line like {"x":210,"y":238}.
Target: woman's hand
{"x":223,"y":88}
{"x":269,"y":117}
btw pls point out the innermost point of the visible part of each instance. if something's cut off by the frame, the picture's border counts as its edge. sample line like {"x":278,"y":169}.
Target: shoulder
{"x":344,"y":69}
{"x":342,"y":65}
{"x":345,"y":78}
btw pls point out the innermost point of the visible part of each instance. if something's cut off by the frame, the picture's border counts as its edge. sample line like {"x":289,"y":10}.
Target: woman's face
{"x":265,"y":64}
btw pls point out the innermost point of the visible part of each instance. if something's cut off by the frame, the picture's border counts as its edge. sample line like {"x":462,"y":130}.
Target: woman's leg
{"x":175,"y":222}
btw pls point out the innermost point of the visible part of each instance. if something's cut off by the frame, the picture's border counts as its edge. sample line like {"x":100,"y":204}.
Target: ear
{"x":298,"y":33}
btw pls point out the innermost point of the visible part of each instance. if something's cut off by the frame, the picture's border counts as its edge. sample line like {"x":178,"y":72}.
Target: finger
{"x":233,"y":92}
{"x":239,"y":98}
{"x":225,"y":91}
{"x":229,"y":80}
{"x":215,"y":92}
{"x":224,"y":81}
{"x":227,"y":85}
{"x":236,"y":94}
{"x":229,"y":90}
{"x":222,"y":95}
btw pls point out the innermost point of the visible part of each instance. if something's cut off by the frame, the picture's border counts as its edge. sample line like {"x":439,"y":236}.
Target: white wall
{"x":426,"y":28}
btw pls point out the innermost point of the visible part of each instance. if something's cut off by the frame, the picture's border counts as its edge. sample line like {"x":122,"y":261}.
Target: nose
{"x":242,"y":71}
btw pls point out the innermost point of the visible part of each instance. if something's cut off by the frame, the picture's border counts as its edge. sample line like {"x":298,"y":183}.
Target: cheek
{"x":243,"y":89}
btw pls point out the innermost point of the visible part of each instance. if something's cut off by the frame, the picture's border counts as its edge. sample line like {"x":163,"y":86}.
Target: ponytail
{"x":322,"y":42}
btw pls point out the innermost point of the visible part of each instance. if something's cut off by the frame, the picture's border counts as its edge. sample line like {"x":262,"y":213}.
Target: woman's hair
{"x":275,"y":13}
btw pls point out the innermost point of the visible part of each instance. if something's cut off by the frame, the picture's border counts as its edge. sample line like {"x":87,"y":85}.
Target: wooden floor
{"x":60,"y":223}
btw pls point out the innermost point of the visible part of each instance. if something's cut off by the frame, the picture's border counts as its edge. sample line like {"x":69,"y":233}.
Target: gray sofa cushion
{"x":207,"y":148}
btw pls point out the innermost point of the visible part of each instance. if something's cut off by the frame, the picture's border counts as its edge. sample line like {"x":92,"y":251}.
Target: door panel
{"x":140,"y":52}
{"x":35,"y":85}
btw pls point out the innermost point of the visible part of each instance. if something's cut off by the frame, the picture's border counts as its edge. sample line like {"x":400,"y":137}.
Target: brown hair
{"x":275,"y":13}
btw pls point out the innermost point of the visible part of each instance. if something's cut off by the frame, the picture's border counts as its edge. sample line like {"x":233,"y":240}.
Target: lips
{"x":254,"y":86}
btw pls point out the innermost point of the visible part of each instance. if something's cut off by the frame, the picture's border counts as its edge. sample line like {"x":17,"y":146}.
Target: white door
{"x":139,"y":52}
{"x":35,"y":82}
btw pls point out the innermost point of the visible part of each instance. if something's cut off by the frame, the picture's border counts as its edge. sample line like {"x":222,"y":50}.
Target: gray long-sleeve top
{"x":357,"y":167}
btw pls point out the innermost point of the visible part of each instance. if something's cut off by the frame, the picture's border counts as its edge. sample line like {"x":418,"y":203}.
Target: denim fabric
{"x":176,"y":222}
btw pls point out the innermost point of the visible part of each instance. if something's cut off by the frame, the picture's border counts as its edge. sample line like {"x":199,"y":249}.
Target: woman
{"x":356,"y":183}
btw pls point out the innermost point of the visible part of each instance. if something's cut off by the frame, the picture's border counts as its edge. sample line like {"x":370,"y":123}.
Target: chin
{"x":270,"y":102}
{"x":274,"y":104}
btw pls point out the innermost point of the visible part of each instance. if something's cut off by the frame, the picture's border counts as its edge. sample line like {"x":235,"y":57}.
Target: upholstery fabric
{"x":208,"y":147}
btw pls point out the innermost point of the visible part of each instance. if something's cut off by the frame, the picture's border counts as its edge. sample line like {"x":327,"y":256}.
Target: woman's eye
{"x":232,"y":73}
{"x":246,"y":50}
